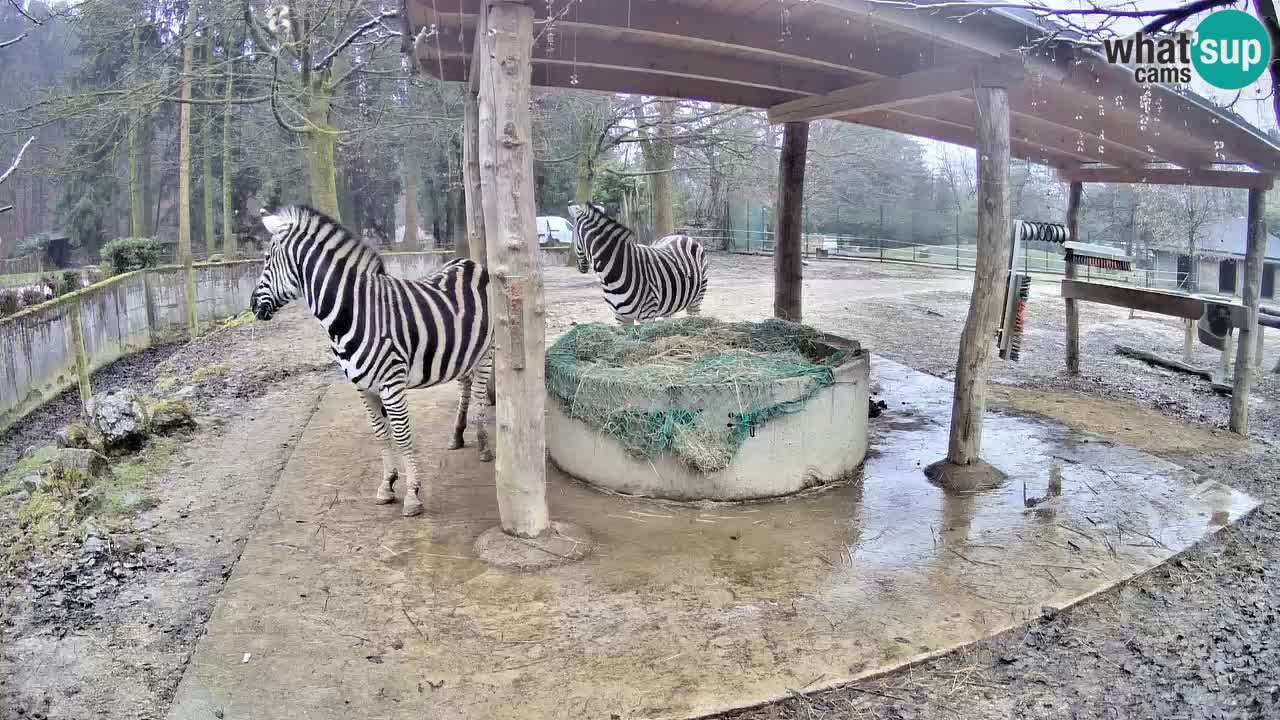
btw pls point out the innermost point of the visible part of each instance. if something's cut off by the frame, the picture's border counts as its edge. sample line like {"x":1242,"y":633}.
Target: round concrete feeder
{"x":821,"y":443}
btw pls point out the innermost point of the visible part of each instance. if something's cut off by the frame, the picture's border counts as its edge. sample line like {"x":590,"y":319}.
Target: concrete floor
{"x":340,"y":608}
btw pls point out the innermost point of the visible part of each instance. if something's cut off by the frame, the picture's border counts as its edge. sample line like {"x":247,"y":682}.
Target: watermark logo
{"x":1230,"y":49}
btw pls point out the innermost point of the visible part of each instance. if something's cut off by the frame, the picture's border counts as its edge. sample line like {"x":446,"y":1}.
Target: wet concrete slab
{"x":340,"y":608}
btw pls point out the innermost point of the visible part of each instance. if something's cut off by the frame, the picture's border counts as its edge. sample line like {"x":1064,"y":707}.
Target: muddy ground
{"x":106,"y":635}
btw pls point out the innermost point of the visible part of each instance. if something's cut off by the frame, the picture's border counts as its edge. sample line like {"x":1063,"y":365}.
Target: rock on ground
{"x":121,"y":419}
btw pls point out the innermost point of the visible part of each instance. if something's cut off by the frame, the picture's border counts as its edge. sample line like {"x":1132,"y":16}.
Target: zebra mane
{"x":307,"y":216}
{"x":629,"y":235}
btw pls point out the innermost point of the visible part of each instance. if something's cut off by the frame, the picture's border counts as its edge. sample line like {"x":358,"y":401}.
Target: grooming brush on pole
{"x":1098,"y":256}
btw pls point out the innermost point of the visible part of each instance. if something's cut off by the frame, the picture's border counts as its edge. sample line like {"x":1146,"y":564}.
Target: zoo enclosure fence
{"x":957,"y":255}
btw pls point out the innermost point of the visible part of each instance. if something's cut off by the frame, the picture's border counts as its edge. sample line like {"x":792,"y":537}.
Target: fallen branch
{"x":17,"y":160}
{"x":1161,"y":361}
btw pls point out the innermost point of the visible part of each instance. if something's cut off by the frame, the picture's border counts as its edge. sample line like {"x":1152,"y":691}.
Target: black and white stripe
{"x":387,"y":334}
{"x":640,"y":282}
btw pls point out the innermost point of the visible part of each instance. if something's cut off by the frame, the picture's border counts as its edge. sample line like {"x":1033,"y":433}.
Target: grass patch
{"x":209,"y":371}
{"x":69,"y":498}
{"x":166,"y":383}
{"x":30,"y":464}
{"x":244,"y":318}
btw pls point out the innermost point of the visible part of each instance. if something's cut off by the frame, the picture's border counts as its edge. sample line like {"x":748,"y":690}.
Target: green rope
{"x":594,"y":369}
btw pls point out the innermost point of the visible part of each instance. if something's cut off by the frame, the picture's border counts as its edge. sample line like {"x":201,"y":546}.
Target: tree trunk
{"x":151,"y":218}
{"x":137,"y":149}
{"x":229,"y":249}
{"x":321,"y":143}
{"x":1255,"y":251}
{"x":787,"y":270}
{"x":585,"y":179}
{"x":506,"y":166}
{"x":458,"y":204}
{"x":184,"y":178}
{"x":206,"y":164}
{"x":411,"y":219}
{"x":659,"y":154}
{"x":1193,"y":272}
{"x":965,"y":446}
{"x":1267,"y":11}
{"x":1073,"y":310}
{"x":471,"y":179}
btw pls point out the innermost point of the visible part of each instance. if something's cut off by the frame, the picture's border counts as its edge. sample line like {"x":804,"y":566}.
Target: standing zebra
{"x":640,"y":282}
{"x":387,"y":334}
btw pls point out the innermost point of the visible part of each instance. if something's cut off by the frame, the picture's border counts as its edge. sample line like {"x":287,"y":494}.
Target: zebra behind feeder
{"x":640,"y":282}
{"x":387,"y":334}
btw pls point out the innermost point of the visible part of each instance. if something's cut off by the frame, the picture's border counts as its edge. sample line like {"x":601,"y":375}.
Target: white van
{"x":554,"y":229}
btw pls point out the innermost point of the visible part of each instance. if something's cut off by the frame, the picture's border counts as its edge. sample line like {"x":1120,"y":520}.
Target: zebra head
{"x":279,"y":281}
{"x":591,"y":223}
{"x":578,"y":216}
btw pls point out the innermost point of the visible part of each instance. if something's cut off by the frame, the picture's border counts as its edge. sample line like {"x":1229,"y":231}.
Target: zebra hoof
{"x":386,"y":494}
{"x":456,"y":443}
{"x":486,"y":455}
{"x":411,"y":509}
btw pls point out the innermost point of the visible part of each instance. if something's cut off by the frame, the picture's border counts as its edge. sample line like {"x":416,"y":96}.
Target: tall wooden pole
{"x":506,"y":179}
{"x":471,"y":178}
{"x":1073,"y":310}
{"x":992,"y":265}
{"x":1251,"y":297}
{"x":184,"y":178}
{"x":788,"y":273}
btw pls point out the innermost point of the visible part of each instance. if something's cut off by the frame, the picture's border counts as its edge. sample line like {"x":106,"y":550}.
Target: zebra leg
{"x":464,"y":403}
{"x":484,"y":384}
{"x":378,"y":419}
{"x":398,"y":416}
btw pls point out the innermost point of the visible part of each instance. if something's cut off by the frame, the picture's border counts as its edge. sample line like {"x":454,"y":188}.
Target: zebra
{"x":386,"y":333}
{"x":640,"y":282}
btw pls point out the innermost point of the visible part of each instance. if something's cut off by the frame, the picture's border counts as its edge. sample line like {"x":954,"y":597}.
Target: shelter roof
{"x":890,"y":66}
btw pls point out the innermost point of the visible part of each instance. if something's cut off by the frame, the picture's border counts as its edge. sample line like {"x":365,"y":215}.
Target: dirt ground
{"x":83,"y":636}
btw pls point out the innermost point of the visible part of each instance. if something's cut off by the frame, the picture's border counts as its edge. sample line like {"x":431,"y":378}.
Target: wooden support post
{"x":471,"y":177}
{"x":506,"y":179}
{"x":1188,"y":340}
{"x":75,"y":336}
{"x":1257,"y":351}
{"x":992,"y":264}
{"x":788,"y":273}
{"x":1251,"y":297}
{"x":1073,"y":310}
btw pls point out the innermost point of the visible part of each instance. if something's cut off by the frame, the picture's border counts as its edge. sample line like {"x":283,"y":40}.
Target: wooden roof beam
{"x":1169,"y":176}
{"x":957,"y":134}
{"x":629,"y":56}
{"x":700,"y":27}
{"x":1065,"y":106}
{"x":927,"y":24}
{"x":890,"y":92}
{"x":636,"y":82}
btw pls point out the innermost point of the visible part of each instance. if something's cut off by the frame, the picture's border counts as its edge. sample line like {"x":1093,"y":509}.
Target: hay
{"x":593,"y":367}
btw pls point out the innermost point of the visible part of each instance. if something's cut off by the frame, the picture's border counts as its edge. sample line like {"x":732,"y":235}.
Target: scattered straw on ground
{"x":1121,"y":421}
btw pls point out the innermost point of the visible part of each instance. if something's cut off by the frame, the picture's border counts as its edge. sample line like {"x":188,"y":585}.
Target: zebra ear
{"x":574,"y":211}
{"x":274,"y":224}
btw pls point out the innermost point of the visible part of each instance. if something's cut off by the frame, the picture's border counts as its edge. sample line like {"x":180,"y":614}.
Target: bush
{"x":72,"y":281}
{"x":127,"y":254}
{"x":9,"y":302}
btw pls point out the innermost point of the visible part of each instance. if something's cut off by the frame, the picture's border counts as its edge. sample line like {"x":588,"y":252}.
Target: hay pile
{"x":593,"y":368}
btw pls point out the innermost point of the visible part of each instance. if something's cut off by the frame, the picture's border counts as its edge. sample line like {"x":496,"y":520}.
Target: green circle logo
{"x":1232,"y":49}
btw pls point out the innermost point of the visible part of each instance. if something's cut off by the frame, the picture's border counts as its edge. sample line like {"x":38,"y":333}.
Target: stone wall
{"x":131,"y":312}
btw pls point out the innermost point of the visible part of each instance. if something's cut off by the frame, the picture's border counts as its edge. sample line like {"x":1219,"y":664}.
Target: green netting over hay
{"x":645,"y":384}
